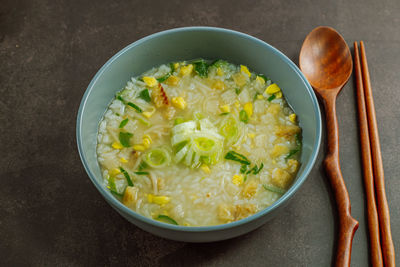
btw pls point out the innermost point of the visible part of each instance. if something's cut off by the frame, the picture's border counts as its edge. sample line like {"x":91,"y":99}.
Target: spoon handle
{"x":347,"y":224}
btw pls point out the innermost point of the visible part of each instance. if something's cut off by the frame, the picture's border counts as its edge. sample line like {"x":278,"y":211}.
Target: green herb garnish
{"x":243,"y":116}
{"x":126,"y":174}
{"x":201,"y":67}
{"x":166,"y":219}
{"x":145,"y":95}
{"x":142,"y":173}
{"x":266,"y":79}
{"x":237,"y":91}
{"x":224,"y":113}
{"x":123,"y":123}
{"x":178,"y":120}
{"x":171,"y":65}
{"x":124,"y":138}
{"x":274,"y":189}
{"x":272,"y":97}
{"x":163,"y":78}
{"x":113,"y":187}
{"x":297,"y":149}
{"x":138,"y":109}
{"x":259,"y":168}
{"x":243,"y":168}
{"x":219,"y":63}
{"x":117,"y":114}
{"x":143,"y":165}
{"x":232,"y":155}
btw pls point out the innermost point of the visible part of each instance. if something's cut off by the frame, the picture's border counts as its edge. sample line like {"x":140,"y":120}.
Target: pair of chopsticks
{"x":381,"y":244}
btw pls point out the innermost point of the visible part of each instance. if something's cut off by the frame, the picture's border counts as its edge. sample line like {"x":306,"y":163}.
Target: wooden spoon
{"x":325,"y":60}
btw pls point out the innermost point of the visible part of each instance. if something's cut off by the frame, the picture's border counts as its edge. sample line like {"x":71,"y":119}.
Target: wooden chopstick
{"x":373,"y":220}
{"x":383,"y":209}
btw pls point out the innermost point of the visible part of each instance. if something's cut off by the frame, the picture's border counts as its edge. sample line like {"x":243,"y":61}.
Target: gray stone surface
{"x":50,"y":214}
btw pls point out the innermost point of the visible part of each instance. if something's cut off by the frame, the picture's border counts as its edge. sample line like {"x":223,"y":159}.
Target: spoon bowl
{"x":325,"y":59}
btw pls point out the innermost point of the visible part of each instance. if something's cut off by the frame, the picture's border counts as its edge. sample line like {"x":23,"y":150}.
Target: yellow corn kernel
{"x":117,"y":145}
{"x":139,"y":147}
{"x":149,"y":113}
{"x":172,"y":80}
{"x":292,"y":117}
{"x":278,"y":95}
{"x":186,"y":70}
{"x":260,"y":80}
{"x":225,"y":108}
{"x":245,"y":70}
{"x":150,"y":81}
{"x":176,"y":65}
{"x":279,"y":150}
{"x":179,"y":102}
{"x":146,"y":141}
{"x":272,"y":89}
{"x":292,"y":165}
{"x":260,"y":97}
{"x":237,"y":104}
{"x":219,"y":85}
{"x":220,"y":72}
{"x":248,"y":107}
{"x":205,"y":168}
{"x":160,"y":200}
{"x":237,"y":179}
{"x":115,"y":171}
{"x":123,"y":160}
{"x":251,"y":135}
{"x":239,"y":78}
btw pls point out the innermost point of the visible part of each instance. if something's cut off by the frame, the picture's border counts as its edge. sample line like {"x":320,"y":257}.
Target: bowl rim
{"x":120,"y":207}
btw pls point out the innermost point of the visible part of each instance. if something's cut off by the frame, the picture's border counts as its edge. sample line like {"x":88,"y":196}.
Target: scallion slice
{"x":145,"y":95}
{"x":124,"y":138}
{"x":166,"y":219}
{"x":126,"y":174}
{"x":138,"y":109}
{"x":123,"y":123}
{"x":232,"y":155}
{"x":274,"y":189}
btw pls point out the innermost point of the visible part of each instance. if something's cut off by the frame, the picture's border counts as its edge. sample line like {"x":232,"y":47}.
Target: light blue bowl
{"x":184,"y":44}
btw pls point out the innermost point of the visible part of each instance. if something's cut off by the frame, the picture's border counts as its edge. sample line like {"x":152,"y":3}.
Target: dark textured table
{"x":51,"y":214}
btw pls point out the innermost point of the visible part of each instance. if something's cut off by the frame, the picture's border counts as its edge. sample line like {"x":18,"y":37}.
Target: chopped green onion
{"x":179,"y":121}
{"x":245,"y":178}
{"x":272,"y":97}
{"x":163,"y":78}
{"x":171,"y":65}
{"x":243,"y":168}
{"x":201,"y":67}
{"x":224,"y":113}
{"x":113,"y":187}
{"x":232,"y":155}
{"x":124,"y":138}
{"x":297,"y":149}
{"x":126,"y":174}
{"x":143,"y":166}
{"x":142,"y":173}
{"x":219,"y":63}
{"x":237,"y":91}
{"x":254,"y":169}
{"x":243,"y":116}
{"x":259,"y":169}
{"x":144,"y":121}
{"x":117,"y":114}
{"x":157,"y":158}
{"x":274,"y":189}
{"x":123,"y":123}
{"x":167,"y":219}
{"x":138,"y":109}
{"x":145,"y":95}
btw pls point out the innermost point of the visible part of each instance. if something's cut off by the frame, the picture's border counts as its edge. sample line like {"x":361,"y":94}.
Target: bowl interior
{"x":191,"y":43}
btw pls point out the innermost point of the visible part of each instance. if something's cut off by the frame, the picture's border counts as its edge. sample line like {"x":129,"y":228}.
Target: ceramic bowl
{"x":185,"y":44}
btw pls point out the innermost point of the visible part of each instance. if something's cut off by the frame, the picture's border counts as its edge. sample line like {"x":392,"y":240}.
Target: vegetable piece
{"x":178,"y":102}
{"x":160,"y":200}
{"x":186,"y":70}
{"x":112,"y":187}
{"x":237,"y":91}
{"x":259,"y":168}
{"x":274,"y":189}
{"x":225,"y":108}
{"x":138,"y":109}
{"x":163,"y":78}
{"x":272,"y":97}
{"x":150,"y":81}
{"x":123,"y":123}
{"x":243,"y":116}
{"x":143,"y":165}
{"x":172,"y":66}
{"x":229,"y":129}
{"x":157,"y":158}
{"x":126,"y":174}
{"x":124,"y":138}
{"x":224,"y":113}
{"x":292,"y":117}
{"x":266,"y":79}
{"x":142,"y":173}
{"x":167,"y":219}
{"x":297,"y":149}
{"x":243,"y":168}
{"x":272,"y":89}
{"x":232,"y":155}
{"x":219,"y":63}
{"x":245,"y":70}
{"x":201,"y":67}
{"x":248,"y":107}
{"x":237,"y":179}
{"x":179,"y":121}
{"x":145,"y":95}
{"x":117,"y":145}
